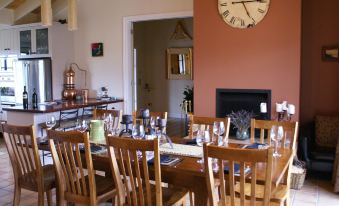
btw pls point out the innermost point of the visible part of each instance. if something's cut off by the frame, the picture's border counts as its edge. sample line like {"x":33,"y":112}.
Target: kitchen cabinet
{"x":9,"y":42}
{"x":34,"y":43}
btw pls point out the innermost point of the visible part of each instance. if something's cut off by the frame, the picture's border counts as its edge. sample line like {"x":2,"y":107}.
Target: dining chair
{"x":233,"y":167}
{"x":21,"y":143}
{"x":67,"y":119}
{"x":290,"y":131}
{"x":115,"y":114}
{"x":282,"y":192}
{"x":88,"y":111}
{"x":132,"y":173}
{"x":202,"y":122}
{"x":73,"y":160}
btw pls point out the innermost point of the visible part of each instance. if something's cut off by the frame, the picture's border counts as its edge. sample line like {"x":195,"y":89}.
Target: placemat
{"x":182,"y":150}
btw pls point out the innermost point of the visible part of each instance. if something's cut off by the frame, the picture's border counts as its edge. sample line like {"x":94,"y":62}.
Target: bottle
{"x":34,"y":99}
{"x":25,"y":98}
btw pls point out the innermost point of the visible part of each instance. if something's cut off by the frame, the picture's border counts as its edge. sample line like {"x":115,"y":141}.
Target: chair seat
{"x":170,"y":195}
{"x":105,"y":189}
{"x":29,"y":182}
{"x":247,"y":202}
{"x":279,"y":193}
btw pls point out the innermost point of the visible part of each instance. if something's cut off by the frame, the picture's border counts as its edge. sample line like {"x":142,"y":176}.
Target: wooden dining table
{"x":189,"y":173}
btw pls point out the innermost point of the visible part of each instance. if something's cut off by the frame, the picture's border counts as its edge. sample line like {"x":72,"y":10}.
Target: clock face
{"x":243,"y":13}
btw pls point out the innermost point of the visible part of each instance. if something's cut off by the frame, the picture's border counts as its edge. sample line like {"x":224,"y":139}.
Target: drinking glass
{"x":138,"y":131}
{"x":274,"y":134}
{"x":221,"y":141}
{"x":83,"y":126}
{"x":200,"y":138}
{"x":216,"y":128}
{"x":50,"y":121}
{"x":279,"y":137}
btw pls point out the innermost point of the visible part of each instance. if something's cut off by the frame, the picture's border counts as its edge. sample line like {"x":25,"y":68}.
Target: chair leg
{"x":49,"y":197}
{"x":191,"y":198}
{"x":41,"y":198}
{"x":287,"y":201}
{"x":17,"y":194}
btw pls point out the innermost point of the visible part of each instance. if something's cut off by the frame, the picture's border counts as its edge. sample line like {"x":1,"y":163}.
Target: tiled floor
{"x":314,"y":193}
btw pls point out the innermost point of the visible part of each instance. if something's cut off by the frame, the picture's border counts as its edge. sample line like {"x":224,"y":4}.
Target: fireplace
{"x":228,"y":100}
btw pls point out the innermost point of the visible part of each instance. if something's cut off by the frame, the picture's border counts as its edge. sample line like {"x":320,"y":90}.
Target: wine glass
{"x":279,"y":137}
{"x":83,"y":126}
{"x":216,"y":128}
{"x":221,"y":134}
{"x":138,"y":131}
{"x":273,"y":134}
{"x":200,"y":138}
{"x":50,"y":121}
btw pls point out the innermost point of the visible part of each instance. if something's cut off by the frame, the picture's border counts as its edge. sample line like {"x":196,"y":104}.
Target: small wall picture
{"x":97,"y":49}
{"x":330,"y":53}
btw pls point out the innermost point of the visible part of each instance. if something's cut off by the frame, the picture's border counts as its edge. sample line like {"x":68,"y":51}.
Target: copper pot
{"x":69,"y":94}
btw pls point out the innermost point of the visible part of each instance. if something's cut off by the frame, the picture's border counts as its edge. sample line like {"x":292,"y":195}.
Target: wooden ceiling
{"x":28,"y":11}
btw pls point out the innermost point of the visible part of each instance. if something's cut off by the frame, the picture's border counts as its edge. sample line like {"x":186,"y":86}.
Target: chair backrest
{"x":68,"y":115}
{"x":103,"y":106}
{"x":162,"y":115}
{"x":87,"y":111}
{"x":23,"y":151}
{"x":116,"y":116}
{"x":196,"y":122}
{"x":242,"y":159}
{"x":130,"y":169}
{"x":66,"y":148}
{"x":290,"y":131}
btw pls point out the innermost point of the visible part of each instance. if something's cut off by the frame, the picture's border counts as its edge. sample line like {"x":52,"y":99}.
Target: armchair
{"x":317,"y":148}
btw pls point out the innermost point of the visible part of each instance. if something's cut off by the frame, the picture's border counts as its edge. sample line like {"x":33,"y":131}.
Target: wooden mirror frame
{"x":188,"y":53}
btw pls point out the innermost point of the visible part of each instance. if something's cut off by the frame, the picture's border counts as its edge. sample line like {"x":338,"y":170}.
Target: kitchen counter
{"x":17,"y":115}
{"x":60,"y":106}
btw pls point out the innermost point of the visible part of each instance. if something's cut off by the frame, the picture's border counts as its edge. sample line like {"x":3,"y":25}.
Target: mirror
{"x":179,"y":63}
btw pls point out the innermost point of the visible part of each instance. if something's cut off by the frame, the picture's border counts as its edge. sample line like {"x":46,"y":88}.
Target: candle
{"x":263,"y":107}
{"x":279,"y":107}
{"x":291,"y":109}
{"x":284,"y":105}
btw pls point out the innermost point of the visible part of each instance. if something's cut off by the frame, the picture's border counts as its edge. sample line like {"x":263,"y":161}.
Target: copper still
{"x":69,"y":92}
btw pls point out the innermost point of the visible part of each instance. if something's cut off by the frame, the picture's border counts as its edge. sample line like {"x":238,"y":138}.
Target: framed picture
{"x":330,"y":53}
{"x":97,"y":49}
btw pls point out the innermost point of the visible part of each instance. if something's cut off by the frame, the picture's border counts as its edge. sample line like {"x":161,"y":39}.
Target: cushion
{"x":326,"y":131}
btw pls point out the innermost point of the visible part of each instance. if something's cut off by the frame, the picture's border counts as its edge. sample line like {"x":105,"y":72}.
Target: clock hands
{"x":249,"y":1}
{"x":248,"y":13}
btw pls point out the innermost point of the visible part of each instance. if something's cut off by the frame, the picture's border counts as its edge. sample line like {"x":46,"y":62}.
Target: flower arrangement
{"x":241,"y":119}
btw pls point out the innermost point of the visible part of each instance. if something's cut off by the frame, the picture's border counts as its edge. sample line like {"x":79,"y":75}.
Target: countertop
{"x":61,"y":105}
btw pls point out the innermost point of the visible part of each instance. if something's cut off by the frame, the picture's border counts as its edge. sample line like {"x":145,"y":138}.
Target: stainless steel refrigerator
{"x":34,"y":74}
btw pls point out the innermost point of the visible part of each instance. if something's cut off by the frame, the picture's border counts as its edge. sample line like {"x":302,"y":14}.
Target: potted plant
{"x":241,"y":120}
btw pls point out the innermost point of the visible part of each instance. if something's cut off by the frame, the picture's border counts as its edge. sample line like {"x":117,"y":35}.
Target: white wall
{"x":62,"y":56}
{"x":102,"y":21}
{"x":151,"y":39}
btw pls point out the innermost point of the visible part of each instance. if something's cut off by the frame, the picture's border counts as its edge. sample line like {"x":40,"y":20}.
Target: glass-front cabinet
{"x":34,"y":42}
{"x":25,"y":42}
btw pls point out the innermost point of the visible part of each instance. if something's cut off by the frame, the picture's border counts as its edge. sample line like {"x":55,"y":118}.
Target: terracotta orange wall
{"x":320,"y":80}
{"x":264,"y":57}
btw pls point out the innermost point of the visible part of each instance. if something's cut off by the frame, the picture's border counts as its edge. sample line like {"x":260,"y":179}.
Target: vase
{"x":242,"y":134}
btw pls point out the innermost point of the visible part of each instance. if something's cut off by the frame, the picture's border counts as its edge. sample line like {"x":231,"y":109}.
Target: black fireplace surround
{"x":228,"y":100}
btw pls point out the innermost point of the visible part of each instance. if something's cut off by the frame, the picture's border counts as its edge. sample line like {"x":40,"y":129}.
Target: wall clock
{"x":243,"y":13}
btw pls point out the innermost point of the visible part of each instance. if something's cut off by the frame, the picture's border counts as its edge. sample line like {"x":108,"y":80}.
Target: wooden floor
{"x":314,"y":193}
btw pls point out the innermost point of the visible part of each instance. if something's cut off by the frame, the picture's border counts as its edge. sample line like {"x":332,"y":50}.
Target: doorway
{"x":153,"y":89}
{"x":130,"y":55}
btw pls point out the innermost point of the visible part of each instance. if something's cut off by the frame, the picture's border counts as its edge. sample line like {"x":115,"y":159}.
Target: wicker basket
{"x":298,"y":175}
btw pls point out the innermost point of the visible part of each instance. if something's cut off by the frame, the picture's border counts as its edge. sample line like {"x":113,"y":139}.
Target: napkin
{"x":165,"y":160}
{"x":257,"y":146}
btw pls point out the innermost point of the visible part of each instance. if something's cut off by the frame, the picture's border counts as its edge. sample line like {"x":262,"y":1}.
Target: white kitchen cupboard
{"x":9,"y":42}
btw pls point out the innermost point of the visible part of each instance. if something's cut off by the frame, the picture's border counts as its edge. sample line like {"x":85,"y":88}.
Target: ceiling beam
{"x":59,"y":8}
{"x":6,"y":17}
{"x":25,"y":8}
{"x":4,"y":3}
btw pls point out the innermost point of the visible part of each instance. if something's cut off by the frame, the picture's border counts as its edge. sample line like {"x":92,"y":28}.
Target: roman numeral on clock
{"x":232,"y":20}
{"x":261,"y":11}
{"x":226,"y":13}
{"x":242,"y":22}
{"x":223,"y":4}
